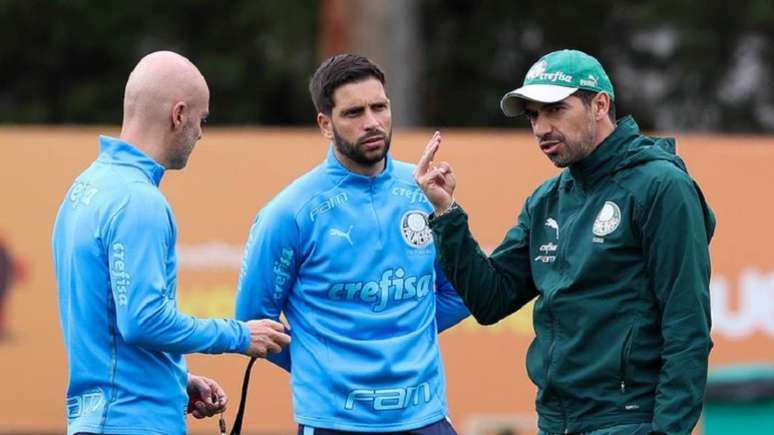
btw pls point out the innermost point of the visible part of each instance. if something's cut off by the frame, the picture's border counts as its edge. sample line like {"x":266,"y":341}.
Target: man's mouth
{"x":373,"y":142}
{"x":550,"y":146}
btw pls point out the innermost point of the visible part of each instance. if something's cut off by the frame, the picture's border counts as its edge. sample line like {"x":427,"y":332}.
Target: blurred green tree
{"x":66,"y":61}
{"x":677,"y":65}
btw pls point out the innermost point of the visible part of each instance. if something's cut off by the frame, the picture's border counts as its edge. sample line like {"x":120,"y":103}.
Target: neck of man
{"x":603,"y":129}
{"x":146,"y":139}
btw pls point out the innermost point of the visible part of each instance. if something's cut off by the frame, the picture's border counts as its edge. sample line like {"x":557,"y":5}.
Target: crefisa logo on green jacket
{"x":607,"y":220}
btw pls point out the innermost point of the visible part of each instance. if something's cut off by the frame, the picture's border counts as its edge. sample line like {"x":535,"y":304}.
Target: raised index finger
{"x":429,"y":154}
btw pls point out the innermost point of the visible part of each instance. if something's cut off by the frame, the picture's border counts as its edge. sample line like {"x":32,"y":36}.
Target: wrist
{"x":244,"y":339}
{"x":442,"y":211}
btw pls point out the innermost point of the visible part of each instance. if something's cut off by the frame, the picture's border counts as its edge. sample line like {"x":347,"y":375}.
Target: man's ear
{"x":178,"y":114}
{"x":326,"y":125}
{"x":601,"y":105}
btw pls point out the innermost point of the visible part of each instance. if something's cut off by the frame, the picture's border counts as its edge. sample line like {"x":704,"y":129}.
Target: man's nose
{"x":540,"y":126}
{"x":371,"y":122}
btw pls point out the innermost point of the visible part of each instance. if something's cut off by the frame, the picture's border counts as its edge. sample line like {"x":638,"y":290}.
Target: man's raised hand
{"x":435,"y":179}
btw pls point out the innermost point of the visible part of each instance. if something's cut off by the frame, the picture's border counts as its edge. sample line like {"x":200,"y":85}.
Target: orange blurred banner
{"x":234,"y":172}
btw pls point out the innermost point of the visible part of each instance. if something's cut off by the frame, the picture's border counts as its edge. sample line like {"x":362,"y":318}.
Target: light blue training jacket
{"x":350,"y":260}
{"x":114,"y":255}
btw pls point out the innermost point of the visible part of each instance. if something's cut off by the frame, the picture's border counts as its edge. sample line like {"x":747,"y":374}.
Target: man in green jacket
{"x":615,"y":249}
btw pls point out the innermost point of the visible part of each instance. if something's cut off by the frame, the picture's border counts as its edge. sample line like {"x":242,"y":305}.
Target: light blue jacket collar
{"x":342,"y":175}
{"x":118,"y":152}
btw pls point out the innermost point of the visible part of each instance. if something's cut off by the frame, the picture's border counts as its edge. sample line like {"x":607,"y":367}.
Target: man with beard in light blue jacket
{"x":346,"y":253}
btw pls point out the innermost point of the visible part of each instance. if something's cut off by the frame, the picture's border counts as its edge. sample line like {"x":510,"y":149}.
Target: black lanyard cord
{"x":237,"y":428}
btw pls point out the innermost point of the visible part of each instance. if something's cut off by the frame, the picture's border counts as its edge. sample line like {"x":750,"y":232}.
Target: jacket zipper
{"x":560,"y":256}
{"x":373,"y":210}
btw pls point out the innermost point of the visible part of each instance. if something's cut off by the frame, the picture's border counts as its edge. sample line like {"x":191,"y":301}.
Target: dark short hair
{"x":587,"y":96}
{"x":337,"y":71}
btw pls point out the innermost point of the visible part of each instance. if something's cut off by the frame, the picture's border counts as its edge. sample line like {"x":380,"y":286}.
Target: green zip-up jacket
{"x":616,"y":251}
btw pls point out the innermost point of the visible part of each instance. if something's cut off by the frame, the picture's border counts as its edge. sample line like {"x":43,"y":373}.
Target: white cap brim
{"x":512,"y":103}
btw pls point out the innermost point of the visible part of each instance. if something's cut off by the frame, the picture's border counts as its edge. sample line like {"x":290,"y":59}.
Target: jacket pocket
{"x":624,"y":367}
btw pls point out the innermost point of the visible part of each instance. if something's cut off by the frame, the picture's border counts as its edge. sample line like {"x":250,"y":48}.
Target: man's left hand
{"x":205,"y":397}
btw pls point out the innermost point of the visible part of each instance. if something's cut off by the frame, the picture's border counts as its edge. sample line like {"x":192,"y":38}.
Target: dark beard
{"x":352,"y":150}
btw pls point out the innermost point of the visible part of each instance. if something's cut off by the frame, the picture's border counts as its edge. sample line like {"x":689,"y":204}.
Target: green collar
{"x":606,"y":157}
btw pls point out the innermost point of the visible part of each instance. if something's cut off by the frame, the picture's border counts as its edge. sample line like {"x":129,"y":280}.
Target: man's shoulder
{"x":403,"y":170}
{"x":661,"y":168}
{"x":660,"y":174}
{"x":140,"y":194}
{"x":110,"y":188}
{"x":296,"y":195}
{"x":403,"y":173}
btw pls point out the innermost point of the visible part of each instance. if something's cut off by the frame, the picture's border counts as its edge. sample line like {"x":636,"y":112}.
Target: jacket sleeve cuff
{"x":454,"y":210}
{"x":244,"y":338}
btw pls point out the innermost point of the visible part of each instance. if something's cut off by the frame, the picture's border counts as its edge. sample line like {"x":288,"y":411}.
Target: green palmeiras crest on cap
{"x":555,"y":77}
